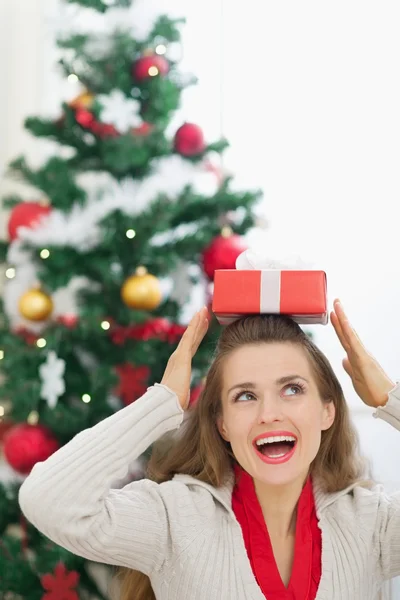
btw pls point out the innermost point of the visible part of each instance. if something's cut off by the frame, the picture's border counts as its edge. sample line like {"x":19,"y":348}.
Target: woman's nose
{"x":270,"y":410}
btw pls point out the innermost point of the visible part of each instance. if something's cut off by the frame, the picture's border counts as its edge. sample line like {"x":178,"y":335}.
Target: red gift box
{"x":302,"y":295}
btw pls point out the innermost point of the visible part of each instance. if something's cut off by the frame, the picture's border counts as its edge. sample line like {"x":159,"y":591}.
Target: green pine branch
{"x":100,"y":5}
{"x":167,"y":29}
{"x":54,"y":179}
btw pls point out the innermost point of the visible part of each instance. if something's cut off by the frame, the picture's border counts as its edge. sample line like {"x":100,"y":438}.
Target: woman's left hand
{"x":369,"y":379}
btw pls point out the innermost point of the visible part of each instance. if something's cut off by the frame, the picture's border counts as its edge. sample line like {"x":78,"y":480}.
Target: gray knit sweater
{"x":183,"y":533}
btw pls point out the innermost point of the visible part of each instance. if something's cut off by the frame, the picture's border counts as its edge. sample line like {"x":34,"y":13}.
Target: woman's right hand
{"x":177,"y":375}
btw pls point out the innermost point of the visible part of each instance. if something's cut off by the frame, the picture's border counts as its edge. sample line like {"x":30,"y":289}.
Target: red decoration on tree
{"x":143,"y":129}
{"x":87,"y":120}
{"x":133,"y":382}
{"x":70,"y":320}
{"x":104,"y":130}
{"x":26,"y":214}
{"x":189,"y":140}
{"x":222,"y":253}
{"x":195,"y":393}
{"x":29,"y":337}
{"x":150,"y":66}
{"x":25,"y":445}
{"x":158,"y":328}
{"x":59,"y":586}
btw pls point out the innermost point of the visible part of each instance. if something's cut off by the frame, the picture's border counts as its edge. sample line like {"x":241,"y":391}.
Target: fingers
{"x":201,"y":330}
{"x":194,"y":333}
{"x":338,"y":329}
{"x":345,"y":332}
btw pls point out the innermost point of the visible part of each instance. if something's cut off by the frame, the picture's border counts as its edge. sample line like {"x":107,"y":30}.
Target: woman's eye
{"x":244,"y":397}
{"x":293,"y":389}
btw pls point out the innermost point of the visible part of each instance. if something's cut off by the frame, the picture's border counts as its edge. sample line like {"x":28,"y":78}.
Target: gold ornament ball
{"x":84,"y":100}
{"x":142,"y":291}
{"x":35,"y":305}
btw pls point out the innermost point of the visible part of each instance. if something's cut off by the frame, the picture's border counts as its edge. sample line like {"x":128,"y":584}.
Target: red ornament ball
{"x":150,"y":66}
{"x":189,"y":140}
{"x":25,"y":445}
{"x":68,"y":320}
{"x":84,"y":118}
{"x":26,"y":214}
{"x":222,"y":253}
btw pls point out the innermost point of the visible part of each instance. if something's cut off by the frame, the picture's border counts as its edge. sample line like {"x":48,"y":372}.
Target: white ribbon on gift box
{"x":271,"y":286}
{"x":249,"y":260}
{"x":270,"y":296}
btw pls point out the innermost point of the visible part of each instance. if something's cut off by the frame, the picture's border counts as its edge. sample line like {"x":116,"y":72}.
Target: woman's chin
{"x":279,"y":475}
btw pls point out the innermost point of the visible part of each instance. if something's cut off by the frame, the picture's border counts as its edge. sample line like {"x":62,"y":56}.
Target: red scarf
{"x":306,"y":571}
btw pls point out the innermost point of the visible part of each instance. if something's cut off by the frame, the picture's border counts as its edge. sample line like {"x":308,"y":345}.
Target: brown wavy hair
{"x":200,"y":451}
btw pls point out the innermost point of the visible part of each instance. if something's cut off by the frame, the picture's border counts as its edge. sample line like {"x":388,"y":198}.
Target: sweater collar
{"x":224,"y":493}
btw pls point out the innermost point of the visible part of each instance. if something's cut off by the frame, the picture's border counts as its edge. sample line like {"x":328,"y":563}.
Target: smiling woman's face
{"x":269,"y":393}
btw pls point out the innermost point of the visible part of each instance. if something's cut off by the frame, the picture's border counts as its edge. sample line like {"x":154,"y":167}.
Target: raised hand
{"x":177,"y":375}
{"x":370,"y":381}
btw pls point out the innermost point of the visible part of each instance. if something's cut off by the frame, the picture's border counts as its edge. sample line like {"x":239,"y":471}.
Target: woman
{"x":261,"y":493}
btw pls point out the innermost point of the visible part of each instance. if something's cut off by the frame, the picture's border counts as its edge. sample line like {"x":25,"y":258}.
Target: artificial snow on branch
{"x":139,"y":18}
{"x":52,"y":376}
{"x":120,"y":111}
{"x":80,"y":227}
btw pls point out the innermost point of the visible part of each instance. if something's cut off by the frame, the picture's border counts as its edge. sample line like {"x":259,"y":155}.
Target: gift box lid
{"x":301,"y":294}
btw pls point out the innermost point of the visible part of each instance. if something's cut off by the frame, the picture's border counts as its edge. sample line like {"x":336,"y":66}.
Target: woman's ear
{"x":328,"y":416}
{"x":222,"y":429}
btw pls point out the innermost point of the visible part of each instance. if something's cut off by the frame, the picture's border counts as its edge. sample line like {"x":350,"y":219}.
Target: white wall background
{"x":309,"y":101}
{"x":308,"y":94}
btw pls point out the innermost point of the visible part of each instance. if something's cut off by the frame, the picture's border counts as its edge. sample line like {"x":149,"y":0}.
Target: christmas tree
{"x":129,"y":222}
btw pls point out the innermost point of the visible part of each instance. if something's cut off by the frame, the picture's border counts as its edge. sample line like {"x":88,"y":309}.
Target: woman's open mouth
{"x":275,"y":448}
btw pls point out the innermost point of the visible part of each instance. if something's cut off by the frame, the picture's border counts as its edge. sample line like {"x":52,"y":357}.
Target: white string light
{"x":33,"y":418}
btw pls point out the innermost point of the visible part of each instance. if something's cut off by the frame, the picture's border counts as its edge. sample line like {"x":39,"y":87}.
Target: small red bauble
{"x":88,"y":121}
{"x":26,"y":214}
{"x":150,"y":66}
{"x":222,"y":253}
{"x":84,"y":118}
{"x":69,"y":320}
{"x":25,"y":445}
{"x":189,"y":140}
